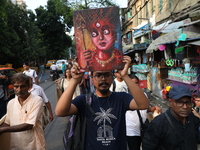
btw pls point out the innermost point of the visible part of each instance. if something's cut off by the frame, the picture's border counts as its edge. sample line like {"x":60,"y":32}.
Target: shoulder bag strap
{"x":88,"y":104}
{"x":62,"y":84}
{"x":140,"y":118}
{"x":172,"y":127}
{"x":114,"y":85}
{"x":83,"y":131}
{"x":170,"y":122}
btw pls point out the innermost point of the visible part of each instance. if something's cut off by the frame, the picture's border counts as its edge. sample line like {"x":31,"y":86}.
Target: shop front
{"x":176,"y":62}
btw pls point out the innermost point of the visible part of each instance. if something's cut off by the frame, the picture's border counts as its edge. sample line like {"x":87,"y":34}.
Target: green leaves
{"x":52,"y":25}
{"x":25,"y":36}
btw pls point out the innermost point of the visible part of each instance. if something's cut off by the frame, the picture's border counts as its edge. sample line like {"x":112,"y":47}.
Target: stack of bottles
{"x":141,"y":76}
{"x":178,"y":74}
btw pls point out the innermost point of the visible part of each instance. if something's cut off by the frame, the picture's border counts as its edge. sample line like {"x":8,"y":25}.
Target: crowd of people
{"x":116,"y":100}
{"x":184,"y":134}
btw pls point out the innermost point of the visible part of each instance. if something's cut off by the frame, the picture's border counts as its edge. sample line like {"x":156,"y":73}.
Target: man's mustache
{"x":103,"y":83}
{"x":19,"y":93}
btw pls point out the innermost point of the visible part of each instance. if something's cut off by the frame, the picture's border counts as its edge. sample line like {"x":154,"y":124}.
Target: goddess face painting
{"x":102,"y":35}
{"x":98,"y":39}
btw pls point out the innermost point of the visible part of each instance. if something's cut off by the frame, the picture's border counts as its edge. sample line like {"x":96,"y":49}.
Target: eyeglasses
{"x":181,"y":103}
{"x":100,"y":76}
{"x":19,"y":86}
{"x":197,"y":100}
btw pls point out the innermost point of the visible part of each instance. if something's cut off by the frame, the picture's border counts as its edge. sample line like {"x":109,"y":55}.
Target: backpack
{"x":143,"y":125}
{"x":74,"y":135}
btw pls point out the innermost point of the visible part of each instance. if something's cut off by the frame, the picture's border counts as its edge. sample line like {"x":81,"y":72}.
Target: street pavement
{"x":55,"y":129}
{"x":154,"y":100}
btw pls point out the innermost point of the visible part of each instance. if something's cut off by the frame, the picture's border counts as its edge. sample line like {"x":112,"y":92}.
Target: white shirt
{"x":133,"y":122}
{"x":119,"y":86}
{"x":132,"y":118}
{"x":29,"y":112}
{"x":38,"y":90}
{"x":53,"y":67}
{"x":31,"y":73}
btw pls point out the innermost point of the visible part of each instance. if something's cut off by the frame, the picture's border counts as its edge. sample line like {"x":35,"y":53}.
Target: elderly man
{"x":23,"y":118}
{"x":177,"y":127}
{"x":109,"y":107}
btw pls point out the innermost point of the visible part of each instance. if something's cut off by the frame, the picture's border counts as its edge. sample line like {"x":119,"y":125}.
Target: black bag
{"x":143,"y":126}
{"x":74,"y":135}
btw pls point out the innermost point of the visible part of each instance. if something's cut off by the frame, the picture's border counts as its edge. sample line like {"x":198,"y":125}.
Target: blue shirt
{"x":63,"y":67}
{"x":106,"y":129}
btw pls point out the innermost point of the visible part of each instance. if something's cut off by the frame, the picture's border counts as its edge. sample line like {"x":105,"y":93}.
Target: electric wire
{"x":169,"y":16}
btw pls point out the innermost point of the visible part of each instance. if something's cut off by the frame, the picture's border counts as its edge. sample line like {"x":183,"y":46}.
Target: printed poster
{"x":98,"y":39}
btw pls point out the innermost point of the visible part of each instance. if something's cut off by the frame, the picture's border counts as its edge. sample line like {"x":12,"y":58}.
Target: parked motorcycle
{"x":53,"y":75}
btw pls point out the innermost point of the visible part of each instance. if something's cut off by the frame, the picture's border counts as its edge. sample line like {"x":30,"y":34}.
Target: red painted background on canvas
{"x":98,"y":39}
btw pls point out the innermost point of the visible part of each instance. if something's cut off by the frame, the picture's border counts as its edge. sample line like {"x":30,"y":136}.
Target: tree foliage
{"x":53,"y":30}
{"x":66,"y":7}
{"x":89,"y":4}
{"x":16,"y":33}
{"x":26,"y":36}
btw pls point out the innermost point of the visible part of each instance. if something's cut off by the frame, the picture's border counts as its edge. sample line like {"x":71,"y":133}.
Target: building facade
{"x":144,"y":21}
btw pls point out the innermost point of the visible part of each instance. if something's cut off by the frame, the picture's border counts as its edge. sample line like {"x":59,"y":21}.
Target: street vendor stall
{"x":176,"y":60}
{"x":187,"y":69}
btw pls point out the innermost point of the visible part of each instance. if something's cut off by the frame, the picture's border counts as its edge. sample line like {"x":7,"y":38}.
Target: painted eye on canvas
{"x":94,"y":34}
{"x":106,"y":32}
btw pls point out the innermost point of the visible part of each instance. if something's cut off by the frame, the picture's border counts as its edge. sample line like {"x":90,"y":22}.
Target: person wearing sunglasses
{"x":177,"y":128}
{"x":105,"y":128}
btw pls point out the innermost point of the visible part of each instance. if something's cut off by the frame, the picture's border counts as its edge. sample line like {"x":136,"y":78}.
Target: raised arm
{"x":140,"y":101}
{"x":64,"y":106}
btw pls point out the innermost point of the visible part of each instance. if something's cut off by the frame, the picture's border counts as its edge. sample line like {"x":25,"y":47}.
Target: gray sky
{"x":33,"y":4}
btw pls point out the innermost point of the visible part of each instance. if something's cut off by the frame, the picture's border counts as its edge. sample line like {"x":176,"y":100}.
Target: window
{"x":138,"y":40}
{"x":152,"y":7}
{"x":160,"y":6}
{"x":170,"y":4}
{"x":129,"y":13}
{"x":129,"y":37}
{"x":146,"y":11}
{"x":136,"y":20}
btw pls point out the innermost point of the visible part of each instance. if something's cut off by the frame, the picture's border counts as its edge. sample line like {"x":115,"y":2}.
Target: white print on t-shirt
{"x":105,"y":132}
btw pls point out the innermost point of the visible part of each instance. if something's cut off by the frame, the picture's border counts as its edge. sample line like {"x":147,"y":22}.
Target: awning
{"x":168,"y":38}
{"x":190,"y":23}
{"x":195,"y":43}
{"x":127,"y":47}
{"x":127,"y":52}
